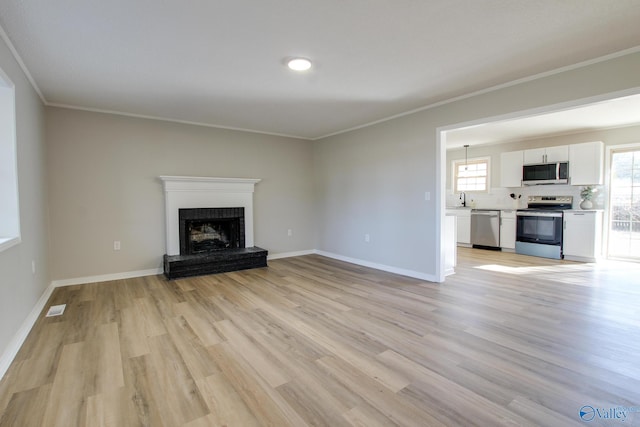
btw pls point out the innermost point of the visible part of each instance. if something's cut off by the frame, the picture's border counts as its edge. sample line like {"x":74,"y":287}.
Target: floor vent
{"x":56,"y":310}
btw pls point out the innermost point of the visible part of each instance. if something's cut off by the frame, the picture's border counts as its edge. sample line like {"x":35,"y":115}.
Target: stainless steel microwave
{"x":546,"y":173}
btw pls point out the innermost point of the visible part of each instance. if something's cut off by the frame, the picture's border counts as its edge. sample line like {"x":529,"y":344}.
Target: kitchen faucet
{"x":463,"y":197}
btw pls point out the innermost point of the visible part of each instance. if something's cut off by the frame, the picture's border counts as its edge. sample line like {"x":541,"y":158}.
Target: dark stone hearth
{"x":212,"y":240}
{"x":176,"y":266}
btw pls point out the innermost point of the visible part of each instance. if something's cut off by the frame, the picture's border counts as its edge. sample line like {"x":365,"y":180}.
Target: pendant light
{"x":466,"y":159}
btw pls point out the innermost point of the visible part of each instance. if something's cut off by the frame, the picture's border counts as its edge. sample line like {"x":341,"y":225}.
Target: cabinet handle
{"x":564,"y":225}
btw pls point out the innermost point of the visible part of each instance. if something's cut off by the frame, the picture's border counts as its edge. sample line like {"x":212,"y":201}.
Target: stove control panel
{"x":550,"y":200}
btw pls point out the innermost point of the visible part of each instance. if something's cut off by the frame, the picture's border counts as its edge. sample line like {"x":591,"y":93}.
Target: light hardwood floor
{"x":508,"y":340}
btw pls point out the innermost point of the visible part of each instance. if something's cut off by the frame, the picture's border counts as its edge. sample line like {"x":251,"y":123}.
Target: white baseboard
{"x":16,"y":342}
{"x":106,"y":277}
{"x":387,"y":268}
{"x":291,"y":254}
{"x":154,"y":271}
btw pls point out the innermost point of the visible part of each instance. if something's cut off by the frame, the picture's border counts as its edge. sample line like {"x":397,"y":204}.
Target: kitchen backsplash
{"x":498,"y":198}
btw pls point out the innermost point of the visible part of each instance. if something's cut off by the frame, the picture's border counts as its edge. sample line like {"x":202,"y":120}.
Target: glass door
{"x":624,"y":205}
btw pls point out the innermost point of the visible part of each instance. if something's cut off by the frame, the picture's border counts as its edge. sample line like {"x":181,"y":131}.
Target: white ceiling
{"x":221,"y":63}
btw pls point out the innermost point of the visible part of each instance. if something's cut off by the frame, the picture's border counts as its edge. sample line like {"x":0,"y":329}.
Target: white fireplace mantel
{"x":183,"y":192}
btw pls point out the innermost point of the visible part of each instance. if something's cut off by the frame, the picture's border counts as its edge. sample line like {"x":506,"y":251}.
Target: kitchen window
{"x":471,"y":175}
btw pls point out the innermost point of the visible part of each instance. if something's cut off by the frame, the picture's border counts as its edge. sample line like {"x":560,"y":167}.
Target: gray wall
{"x":103,"y":187}
{"x":373,"y":180}
{"x":19,"y":287}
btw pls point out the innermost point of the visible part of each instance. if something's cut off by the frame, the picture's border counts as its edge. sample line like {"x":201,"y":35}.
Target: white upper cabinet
{"x":511,"y":169}
{"x":559,"y":153}
{"x":586,"y":163}
{"x":534,"y":156}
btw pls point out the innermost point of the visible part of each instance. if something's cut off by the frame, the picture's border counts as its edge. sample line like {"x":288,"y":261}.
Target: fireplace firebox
{"x":204,"y":230}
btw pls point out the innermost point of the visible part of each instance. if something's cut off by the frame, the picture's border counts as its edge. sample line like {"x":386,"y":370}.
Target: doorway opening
{"x":523,"y":125}
{"x":624,"y":204}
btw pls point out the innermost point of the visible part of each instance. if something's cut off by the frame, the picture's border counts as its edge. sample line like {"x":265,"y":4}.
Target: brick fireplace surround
{"x":183,"y":192}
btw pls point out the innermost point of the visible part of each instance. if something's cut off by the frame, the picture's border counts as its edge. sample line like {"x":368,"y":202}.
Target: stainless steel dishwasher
{"x":485,"y":228}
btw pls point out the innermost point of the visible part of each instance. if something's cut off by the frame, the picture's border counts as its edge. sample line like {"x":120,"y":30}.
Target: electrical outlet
{"x":116,"y":245}
{"x":33,"y":267}
{"x":289,"y":232}
{"x":367,"y":238}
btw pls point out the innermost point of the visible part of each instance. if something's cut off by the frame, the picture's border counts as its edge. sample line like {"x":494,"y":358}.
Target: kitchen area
{"x":533,"y":201}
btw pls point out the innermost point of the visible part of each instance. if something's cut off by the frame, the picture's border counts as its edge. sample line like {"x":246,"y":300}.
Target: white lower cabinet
{"x":582,"y":235}
{"x":508,"y":229}
{"x":463,"y":225}
{"x":449,"y":244}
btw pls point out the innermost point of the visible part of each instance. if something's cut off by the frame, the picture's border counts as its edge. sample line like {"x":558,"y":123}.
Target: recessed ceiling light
{"x":299,"y":64}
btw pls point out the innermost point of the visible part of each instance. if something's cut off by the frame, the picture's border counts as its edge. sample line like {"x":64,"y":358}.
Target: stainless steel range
{"x":539,"y":226}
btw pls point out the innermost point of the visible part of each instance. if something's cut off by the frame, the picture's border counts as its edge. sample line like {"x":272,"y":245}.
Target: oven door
{"x":539,"y":227}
